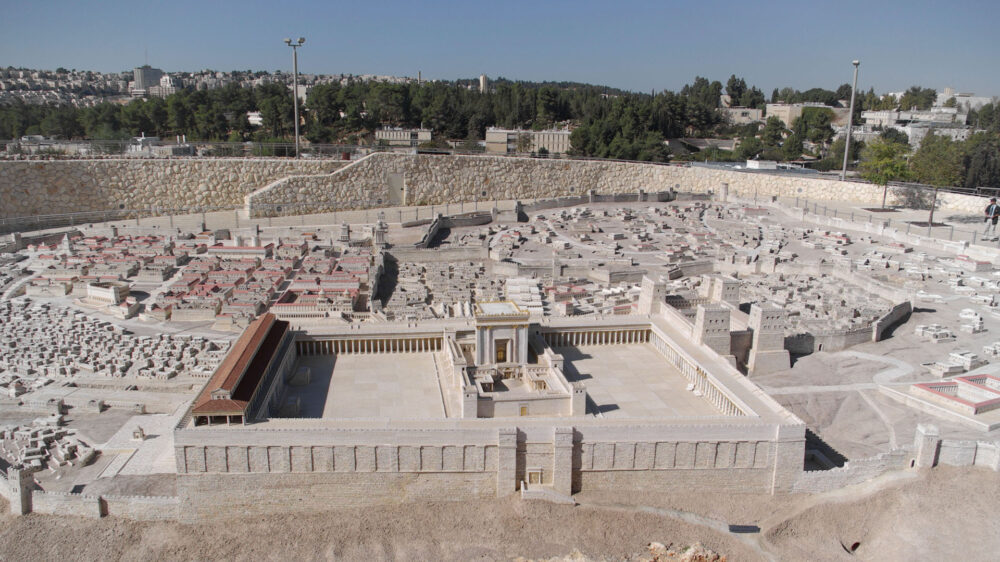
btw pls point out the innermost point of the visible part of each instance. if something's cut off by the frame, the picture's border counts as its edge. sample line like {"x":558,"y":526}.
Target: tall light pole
{"x":295,"y":88}
{"x":850,"y":121}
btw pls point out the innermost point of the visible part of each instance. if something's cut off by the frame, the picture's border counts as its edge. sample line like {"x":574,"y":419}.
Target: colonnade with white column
{"x":696,"y":376}
{"x":615,"y":336}
{"x":368,"y":345}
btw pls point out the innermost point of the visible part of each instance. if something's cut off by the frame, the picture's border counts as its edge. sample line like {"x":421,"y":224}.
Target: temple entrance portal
{"x":501,"y":348}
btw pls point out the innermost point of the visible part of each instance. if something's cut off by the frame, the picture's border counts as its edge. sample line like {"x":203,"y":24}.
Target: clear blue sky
{"x":627,"y":44}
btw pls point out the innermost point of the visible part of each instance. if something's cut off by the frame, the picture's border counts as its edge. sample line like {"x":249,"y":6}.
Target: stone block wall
{"x":141,"y":508}
{"x":242,"y":472}
{"x":62,"y":186}
{"x":340,"y":458}
{"x":66,"y":186}
{"x":233,"y":495}
{"x":55,"y":503}
{"x":854,"y":472}
{"x":434,"y":180}
{"x":7,"y":493}
{"x":898,"y":313}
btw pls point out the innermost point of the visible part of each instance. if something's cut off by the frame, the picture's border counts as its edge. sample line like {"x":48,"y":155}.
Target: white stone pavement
{"x":154,"y":455}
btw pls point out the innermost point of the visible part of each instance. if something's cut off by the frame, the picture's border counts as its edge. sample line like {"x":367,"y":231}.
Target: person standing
{"x":992,"y":216}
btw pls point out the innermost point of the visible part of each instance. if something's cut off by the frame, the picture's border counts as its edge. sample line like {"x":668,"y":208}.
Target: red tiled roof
{"x":240,"y":372}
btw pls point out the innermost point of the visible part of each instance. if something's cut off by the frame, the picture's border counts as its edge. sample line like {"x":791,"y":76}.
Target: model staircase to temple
{"x":545,"y":493}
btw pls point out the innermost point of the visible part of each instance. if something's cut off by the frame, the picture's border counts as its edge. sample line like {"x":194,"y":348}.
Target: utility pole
{"x":850,"y":122}
{"x":295,"y":85}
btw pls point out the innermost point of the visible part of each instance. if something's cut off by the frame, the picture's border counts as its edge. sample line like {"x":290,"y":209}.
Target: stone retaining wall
{"x":141,"y":508}
{"x":435,"y":180}
{"x":215,"y":496}
{"x":63,"y":186}
{"x":56,"y":503}
{"x":854,"y":472}
{"x":68,"y":186}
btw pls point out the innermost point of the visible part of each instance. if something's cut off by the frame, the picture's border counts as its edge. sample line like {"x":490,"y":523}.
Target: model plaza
{"x":510,"y":370}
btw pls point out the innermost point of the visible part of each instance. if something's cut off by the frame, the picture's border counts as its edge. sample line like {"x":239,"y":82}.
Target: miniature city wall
{"x":19,"y":489}
{"x":64,"y":186}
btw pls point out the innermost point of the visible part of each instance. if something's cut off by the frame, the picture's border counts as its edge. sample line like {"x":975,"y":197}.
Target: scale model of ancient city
{"x":412,"y":328}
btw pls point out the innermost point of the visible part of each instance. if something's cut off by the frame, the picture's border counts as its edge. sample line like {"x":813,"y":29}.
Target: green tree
{"x":524,"y":142}
{"x":920,"y":98}
{"x":792,"y":147}
{"x":156,"y":111}
{"x":135,"y":120}
{"x":773,"y":132}
{"x":895,"y":135}
{"x":814,"y":125}
{"x":179,"y":116}
{"x":939,"y":162}
{"x":982,"y":160}
{"x":750,"y":148}
{"x":753,"y":98}
{"x":883,"y":161}
{"x":735,"y":88}
{"x":986,"y":117}
{"x":547,"y":105}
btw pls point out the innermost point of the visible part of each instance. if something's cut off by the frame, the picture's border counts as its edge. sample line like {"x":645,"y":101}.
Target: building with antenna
{"x":144,"y":78}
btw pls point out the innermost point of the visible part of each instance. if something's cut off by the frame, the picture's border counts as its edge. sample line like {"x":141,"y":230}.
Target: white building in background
{"x":402,"y":137}
{"x":742,"y":115}
{"x":505,"y":141}
{"x":888,"y":118}
{"x":917,"y":124}
{"x":966,"y":101}
{"x":164,"y":88}
{"x":484,"y":84}
{"x":917,"y":131}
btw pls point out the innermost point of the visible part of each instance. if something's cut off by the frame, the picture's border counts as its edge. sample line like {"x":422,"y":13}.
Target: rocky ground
{"x":941,"y":514}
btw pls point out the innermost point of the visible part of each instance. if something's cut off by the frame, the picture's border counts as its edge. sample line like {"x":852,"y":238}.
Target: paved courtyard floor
{"x":631,"y":381}
{"x":385,"y":385}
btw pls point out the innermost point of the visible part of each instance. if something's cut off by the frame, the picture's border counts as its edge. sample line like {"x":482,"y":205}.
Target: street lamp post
{"x":295,"y":88}
{"x":850,"y":122}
